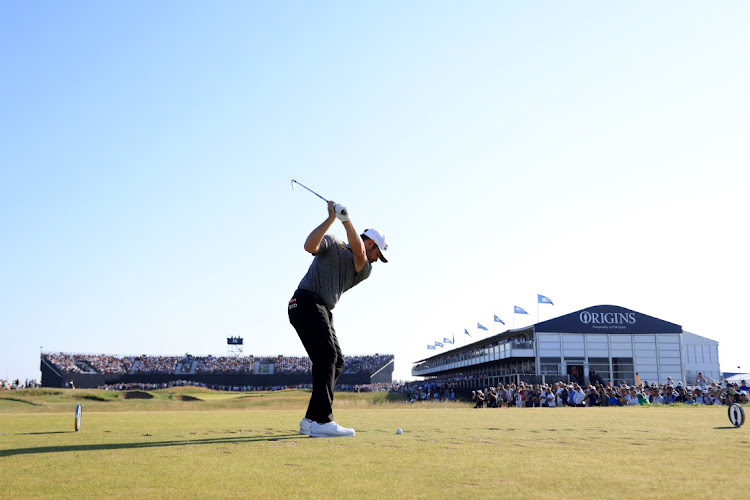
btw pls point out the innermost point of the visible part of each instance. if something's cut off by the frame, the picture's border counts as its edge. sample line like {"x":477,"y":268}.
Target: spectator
{"x":603,"y":397}
{"x":700,"y":381}
{"x":654,"y":397}
{"x":571,"y":395}
{"x":670,"y":395}
{"x":614,"y":398}
{"x":591,"y":398}
{"x":548,"y":398}
{"x":478,"y":397}
{"x":701,"y":398}
{"x":682,"y":396}
{"x":579,"y":395}
{"x":520,"y":399}
{"x":561,"y":394}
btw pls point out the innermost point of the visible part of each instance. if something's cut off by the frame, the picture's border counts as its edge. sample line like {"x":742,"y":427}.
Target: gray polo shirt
{"x":332,"y":271}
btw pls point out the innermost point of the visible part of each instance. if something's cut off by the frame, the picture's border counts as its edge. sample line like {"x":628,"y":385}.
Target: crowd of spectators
{"x":290,"y":364}
{"x":192,"y":383}
{"x":378,"y":387}
{"x":598,"y":394}
{"x":473,"y":353}
{"x":69,"y":363}
{"x":516,"y":339}
{"x":157,"y":364}
{"x":143,"y":386}
{"x":366,"y":364}
{"x":428,"y":390}
{"x":103,"y":363}
{"x":89,"y":363}
{"x":239,"y":388}
{"x":7,"y":385}
{"x":225,"y":364}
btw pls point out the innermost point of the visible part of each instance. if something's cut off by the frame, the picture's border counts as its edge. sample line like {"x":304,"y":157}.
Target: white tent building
{"x":701,"y":355}
{"x":606,"y":343}
{"x":738,"y":378}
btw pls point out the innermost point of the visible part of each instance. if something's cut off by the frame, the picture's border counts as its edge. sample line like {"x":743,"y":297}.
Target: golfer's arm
{"x":312,"y":243}
{"x":357,"y":246}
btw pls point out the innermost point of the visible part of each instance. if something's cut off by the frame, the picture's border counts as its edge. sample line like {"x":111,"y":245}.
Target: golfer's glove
{"x":342,"y":213}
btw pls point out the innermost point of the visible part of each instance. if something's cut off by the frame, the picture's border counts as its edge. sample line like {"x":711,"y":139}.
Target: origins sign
{"x":607,"y":319}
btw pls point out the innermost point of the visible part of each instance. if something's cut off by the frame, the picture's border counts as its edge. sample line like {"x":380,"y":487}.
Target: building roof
{"x":607,"y":319}
{"x":691,"y":338}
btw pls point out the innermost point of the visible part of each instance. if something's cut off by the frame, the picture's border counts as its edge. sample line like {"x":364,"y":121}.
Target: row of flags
{"x":541,"y":299}
{"x":441,"y":344}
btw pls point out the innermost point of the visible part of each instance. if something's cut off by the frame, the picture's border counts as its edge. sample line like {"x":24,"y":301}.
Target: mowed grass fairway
{"x":192,"y":443}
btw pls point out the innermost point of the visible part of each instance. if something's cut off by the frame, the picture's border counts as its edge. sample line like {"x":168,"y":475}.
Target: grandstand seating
{"x":110,"y":364}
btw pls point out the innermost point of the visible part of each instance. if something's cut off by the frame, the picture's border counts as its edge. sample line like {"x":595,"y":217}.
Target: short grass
{"x":212,"y":444}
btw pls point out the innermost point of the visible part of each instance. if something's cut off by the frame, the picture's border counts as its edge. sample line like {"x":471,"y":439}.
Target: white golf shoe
{"x":304,"y":426}
{"x":330,"y":429}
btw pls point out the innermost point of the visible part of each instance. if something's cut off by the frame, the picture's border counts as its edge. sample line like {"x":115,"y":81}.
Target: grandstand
{"x":96,"y":370}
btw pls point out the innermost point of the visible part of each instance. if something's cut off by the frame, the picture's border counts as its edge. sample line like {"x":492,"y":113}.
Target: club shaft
{"x":313,"y":192}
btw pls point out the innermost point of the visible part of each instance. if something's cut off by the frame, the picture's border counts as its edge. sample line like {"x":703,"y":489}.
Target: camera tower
{"x":234,"y":346}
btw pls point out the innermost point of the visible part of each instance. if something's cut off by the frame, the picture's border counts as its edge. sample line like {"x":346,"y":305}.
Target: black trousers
{"x":313,"y":321}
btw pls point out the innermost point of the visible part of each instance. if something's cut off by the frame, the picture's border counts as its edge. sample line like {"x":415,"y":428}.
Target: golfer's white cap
{"x":379,"y":239}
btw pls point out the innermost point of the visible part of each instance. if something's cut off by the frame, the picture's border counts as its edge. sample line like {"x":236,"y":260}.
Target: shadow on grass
{"x":42,"y":433}
{"x":93,"y":397}
{"x":155,"y":444}
{"x":15,"y":400}
{"x":726,"y":427}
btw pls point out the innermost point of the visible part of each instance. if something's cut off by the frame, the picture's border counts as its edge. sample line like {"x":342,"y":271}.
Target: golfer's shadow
{"x":43,"y":433}
{"x":125,"y":446}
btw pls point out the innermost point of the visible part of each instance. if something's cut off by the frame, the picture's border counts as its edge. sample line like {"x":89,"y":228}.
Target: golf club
{"x":339,"y":208}
{"x":313,"y":192}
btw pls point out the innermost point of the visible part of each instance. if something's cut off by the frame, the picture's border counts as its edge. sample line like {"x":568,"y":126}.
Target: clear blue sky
{"x":596,"y":153}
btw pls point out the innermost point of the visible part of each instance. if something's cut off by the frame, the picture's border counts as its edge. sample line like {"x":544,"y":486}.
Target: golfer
{"x":335,"y":268}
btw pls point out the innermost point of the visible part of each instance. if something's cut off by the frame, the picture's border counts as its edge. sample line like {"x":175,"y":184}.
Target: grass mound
{"x":42,"y":392}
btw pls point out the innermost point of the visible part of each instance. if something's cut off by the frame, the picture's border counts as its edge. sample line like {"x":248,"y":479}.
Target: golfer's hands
{"x":337,"y":211}
{"x":341,"y":213}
